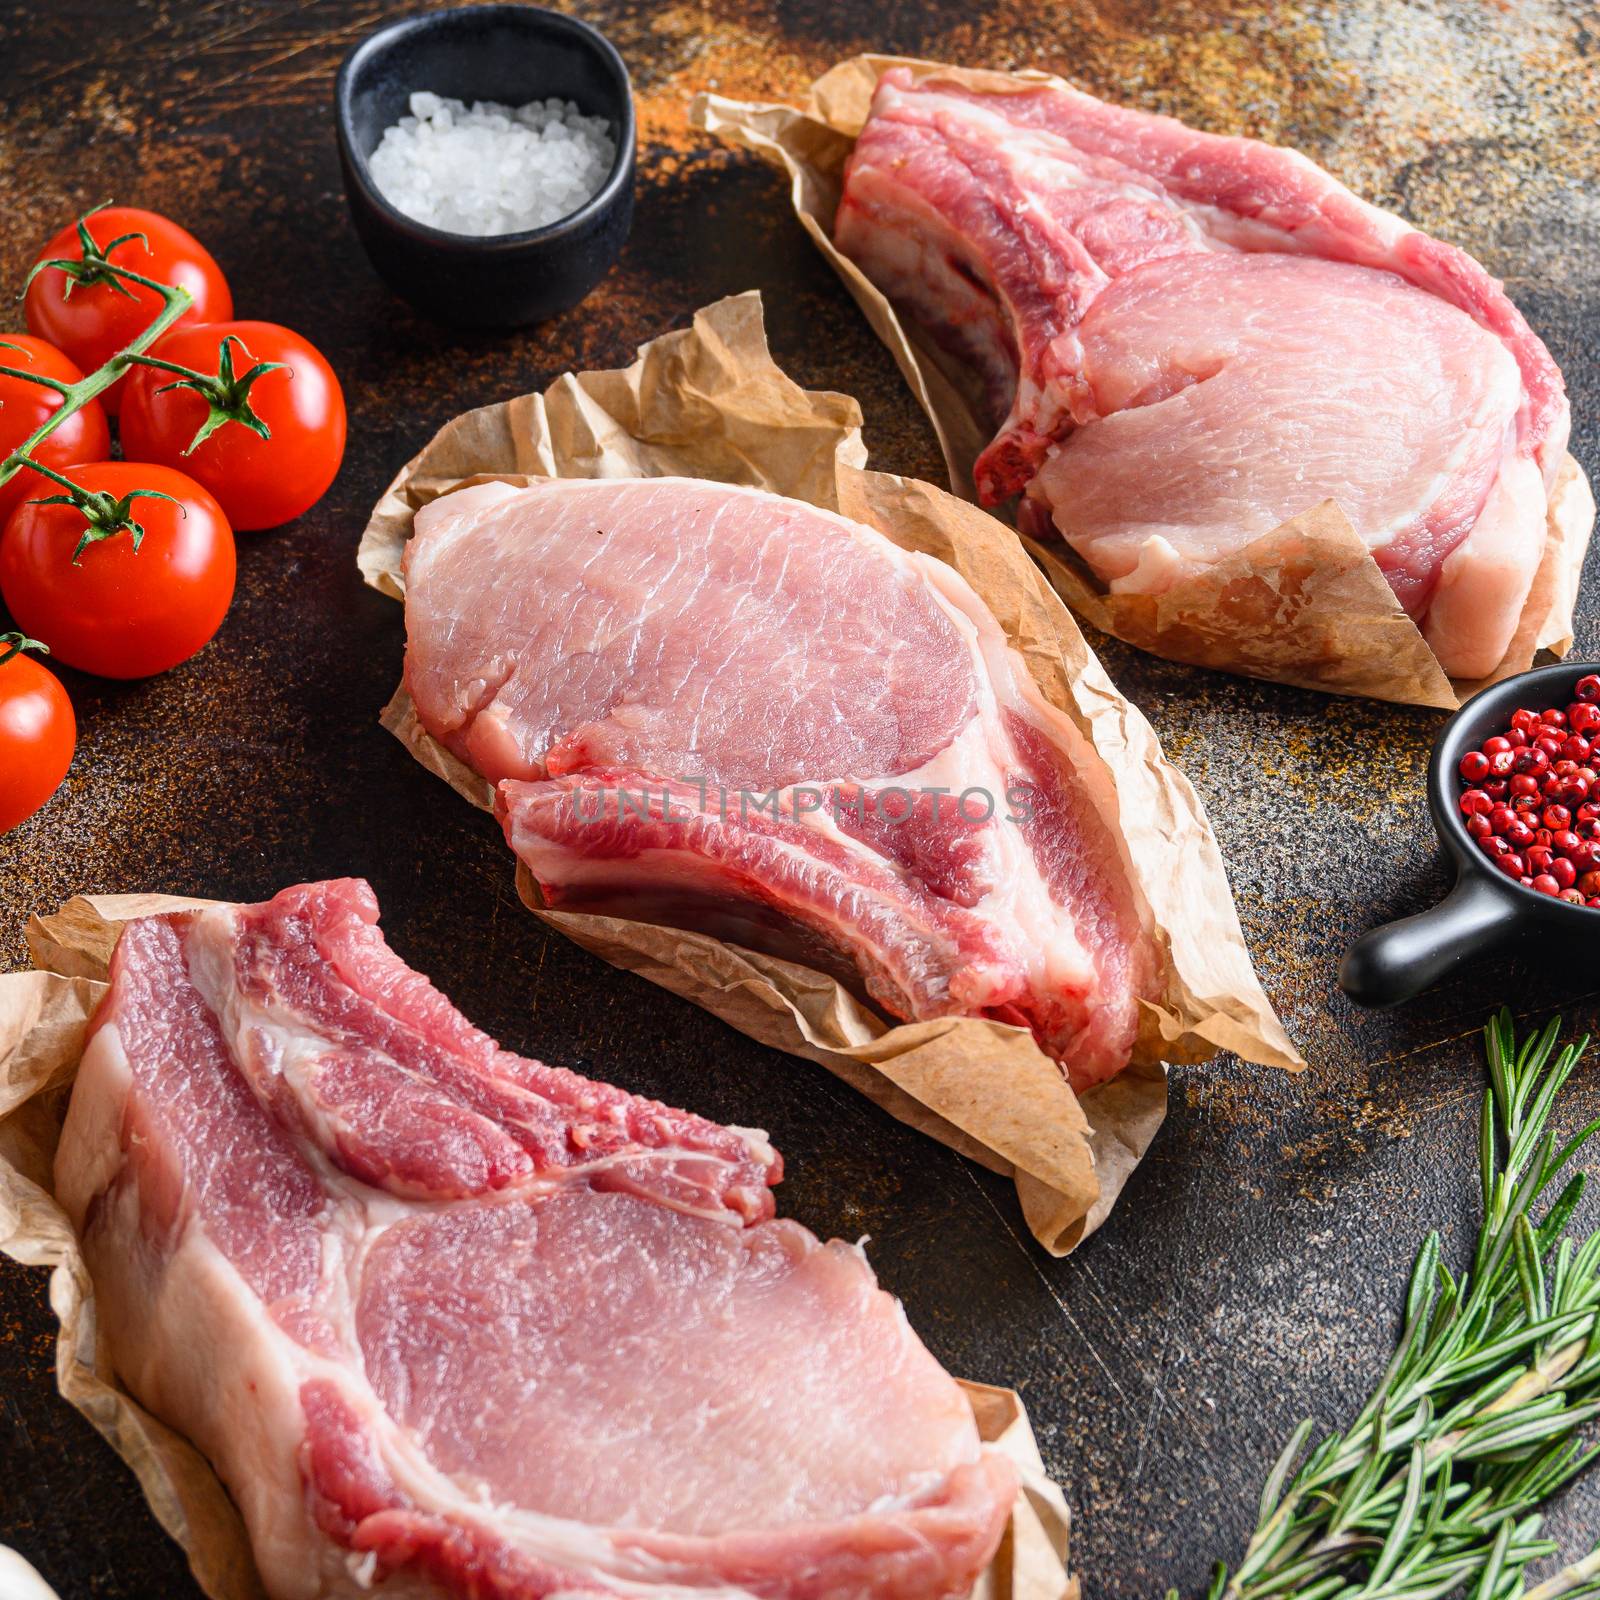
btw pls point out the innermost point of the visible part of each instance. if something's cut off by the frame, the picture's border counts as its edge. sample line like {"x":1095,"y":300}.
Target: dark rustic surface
{"x":1250,"y":1275}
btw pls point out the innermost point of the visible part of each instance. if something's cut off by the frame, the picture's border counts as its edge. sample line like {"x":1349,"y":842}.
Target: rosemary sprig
{"x":1479,"y":1419}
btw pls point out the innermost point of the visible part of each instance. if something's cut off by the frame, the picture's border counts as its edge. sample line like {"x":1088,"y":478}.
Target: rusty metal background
{"x":1252,"y":1272}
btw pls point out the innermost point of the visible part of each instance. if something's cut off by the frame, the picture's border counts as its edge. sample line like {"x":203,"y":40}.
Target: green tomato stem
{"x":54,"y":476}
{"x":13,"y":644}
{"x":104,"y":515}
{"x":31,"y":377}
{"x":140,"y":360}
{"x":226,"y":393}
{"x":75,"y":396}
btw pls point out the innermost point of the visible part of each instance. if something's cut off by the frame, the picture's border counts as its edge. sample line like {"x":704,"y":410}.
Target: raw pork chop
{"x":1189,"y":339}
{"x":709,"y":706}
{"x":455,"y":1323}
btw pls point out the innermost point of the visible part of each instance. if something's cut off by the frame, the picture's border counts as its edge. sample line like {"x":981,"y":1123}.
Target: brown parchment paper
{"x":43,"y":1018}
{"x":709,"y":401}
{"x":1305,"y":604}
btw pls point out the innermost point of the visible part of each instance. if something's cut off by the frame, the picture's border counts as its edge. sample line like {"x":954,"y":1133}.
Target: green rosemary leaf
{"x":1577,"y":1142}
{"x":1550,"y":1241}
{"x":1541,"y":1420}
{"x":1402,"y":1528}
{"x":1486,"y":1153}
{"x":1435,"y":1489}
{"x":1530,"y":1269}
{"x":1319,"y":1591}
{"x":1273,"y":1488}
{"x":1489,"y":1580}
{"x":1493,"y":1356}
{"x":1424,"y":1280}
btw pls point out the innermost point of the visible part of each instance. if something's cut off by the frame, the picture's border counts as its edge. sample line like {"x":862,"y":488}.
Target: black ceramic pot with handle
{"x":1486,"y":911}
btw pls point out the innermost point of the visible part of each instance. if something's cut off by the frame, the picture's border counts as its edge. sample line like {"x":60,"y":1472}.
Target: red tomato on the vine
{"x":96,"y":320}
{"x":259,"y":481}
{"x":37,"y":734}
{"x":118,"y":611}
{"x":84,"y":436}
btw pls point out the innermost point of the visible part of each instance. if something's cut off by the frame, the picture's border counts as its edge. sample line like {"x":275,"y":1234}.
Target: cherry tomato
{"x":84,"y":436}
{"x":117,"y":611}
{"x":96,"y":320}
{"x":258,"y":482}
{"x":37,"y":734}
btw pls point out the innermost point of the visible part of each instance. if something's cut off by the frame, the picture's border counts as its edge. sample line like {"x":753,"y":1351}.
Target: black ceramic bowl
{"x":1485,"y":911}
{"x":513,"y":54}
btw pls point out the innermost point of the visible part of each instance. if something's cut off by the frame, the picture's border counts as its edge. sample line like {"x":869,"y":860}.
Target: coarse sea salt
{"x":488,"y":168}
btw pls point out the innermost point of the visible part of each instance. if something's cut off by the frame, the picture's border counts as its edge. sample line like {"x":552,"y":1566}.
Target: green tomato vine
{"x":227,"y":395}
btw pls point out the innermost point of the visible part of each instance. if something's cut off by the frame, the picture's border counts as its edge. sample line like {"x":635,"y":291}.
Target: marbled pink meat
{"x":630,"y":624}
{"x":712,"y":707}
{"x":1187,"y":339}
{"x":451,"y":1323}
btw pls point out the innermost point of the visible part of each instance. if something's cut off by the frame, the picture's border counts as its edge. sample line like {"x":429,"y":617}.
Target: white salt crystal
{"x":490,"y":168}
